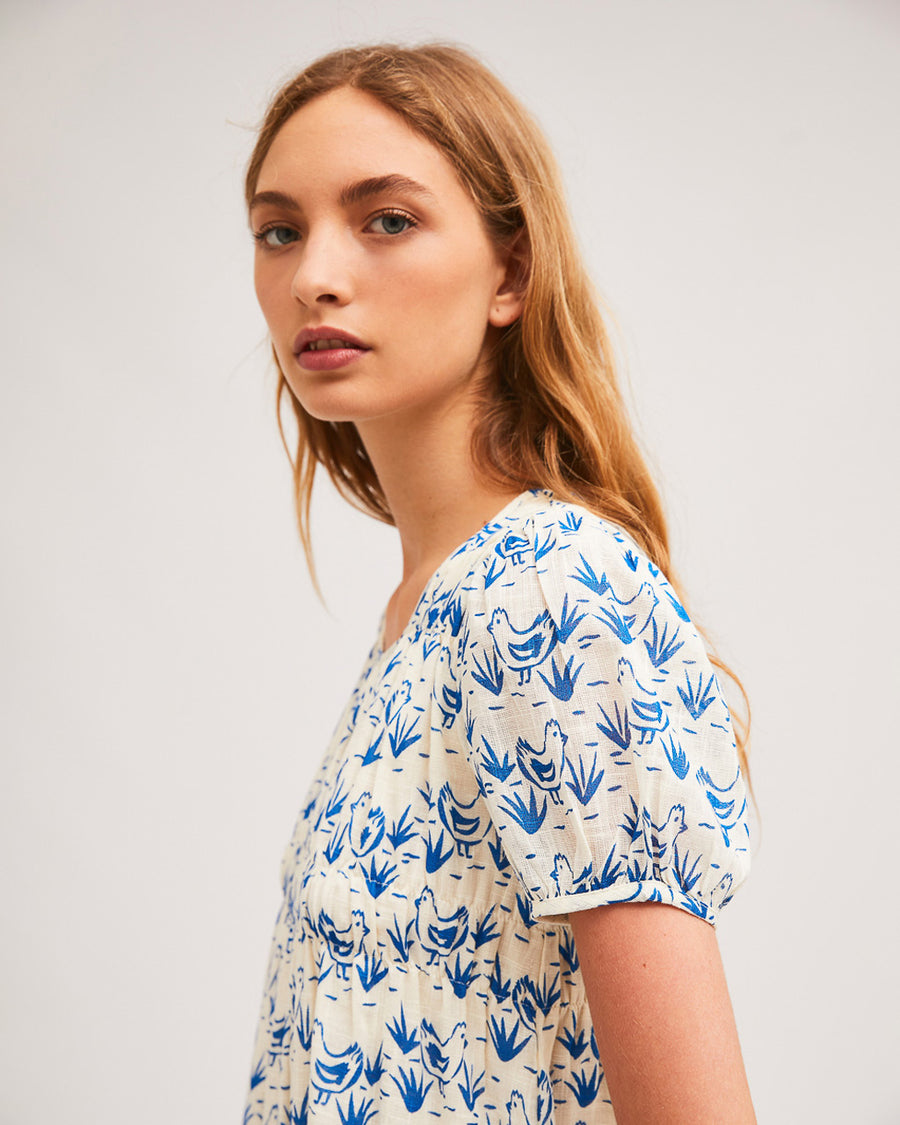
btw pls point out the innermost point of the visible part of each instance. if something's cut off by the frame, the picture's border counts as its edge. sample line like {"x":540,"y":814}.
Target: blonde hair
{"x":552,"y":415}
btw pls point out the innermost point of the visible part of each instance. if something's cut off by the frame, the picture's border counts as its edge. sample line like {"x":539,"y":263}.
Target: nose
{"x":322,"y":276}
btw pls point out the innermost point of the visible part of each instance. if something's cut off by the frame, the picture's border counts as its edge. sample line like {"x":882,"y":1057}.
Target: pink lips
{"x":327,"y":359}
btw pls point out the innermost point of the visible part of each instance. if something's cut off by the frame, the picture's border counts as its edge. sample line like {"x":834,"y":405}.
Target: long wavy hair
{"x":552,"y":413}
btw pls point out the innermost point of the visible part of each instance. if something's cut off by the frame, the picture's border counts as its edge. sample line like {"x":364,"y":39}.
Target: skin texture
{"x":428,"y":301}
{"x":662,"y":1016}
{"x":428,"y":296}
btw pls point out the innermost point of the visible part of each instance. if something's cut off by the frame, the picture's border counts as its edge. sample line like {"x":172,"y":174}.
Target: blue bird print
{"x":721,"y":892}
{"x":515,"y":1107}
{"x":438,"y":935}
{"x":512,"y":546}
{"x":465,"y":828}
{"x":722,"y":805}
{"x":343,"y":945}
{"x":383,"y":702}
{"x":647,"y":714}
{"x":638,"y":619}
{"x":446,"y":689}
{"x":366,"y":826}
{"x":627,"y":617}
{"x":397,"y":700}
{"x":525,"y":1002}
{"x":442,"y":1058}
{"x":662,"y":838}
{"x":338,"y":1071}
{"x":563,"y":875}
{"x":544,"y":1099}
{"x":522,"y":649}
{"x":544,"y":767}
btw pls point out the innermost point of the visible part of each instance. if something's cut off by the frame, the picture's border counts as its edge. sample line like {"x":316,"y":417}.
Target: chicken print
{"x":562,"y":876}
{"x":544,"y":767}
{"x":521,"y":650}
{"x":727,"y":803}
{"x":721,"y":892}
{"x":437,"y":935}
{"x":646,"y":710}
{"x":397,"y":700}
{"x":662,"y":840}
{"x":513,"y":547}
{"x":366,"y":826}
{"x":446,"y":692}
{"x":525,"y":1002}
{"x":380,"y":704}
{"x":335,"y":1071}
{"x":547,"y":736}
{"x":442,"y":1058}
{"x":515,"y":1107}
{"x":343,"y":945}
{"x":628,"y":617}
{"x":466,"y":828}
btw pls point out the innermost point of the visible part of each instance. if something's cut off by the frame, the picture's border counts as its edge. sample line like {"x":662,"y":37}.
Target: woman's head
{"x":382,"y":289}
{"x":551,"y":413}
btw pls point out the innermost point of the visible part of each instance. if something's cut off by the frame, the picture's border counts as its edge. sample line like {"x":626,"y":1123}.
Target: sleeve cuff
{"x":648,"y":890}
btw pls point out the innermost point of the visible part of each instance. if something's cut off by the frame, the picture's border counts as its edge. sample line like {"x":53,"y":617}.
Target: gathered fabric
{"x":547,"y":735}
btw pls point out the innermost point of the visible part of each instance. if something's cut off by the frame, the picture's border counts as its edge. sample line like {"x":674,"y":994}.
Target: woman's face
{"x":379,"y":284}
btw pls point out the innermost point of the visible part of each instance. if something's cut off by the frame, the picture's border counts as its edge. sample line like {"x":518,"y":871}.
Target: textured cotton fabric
{"x":547,"y":735}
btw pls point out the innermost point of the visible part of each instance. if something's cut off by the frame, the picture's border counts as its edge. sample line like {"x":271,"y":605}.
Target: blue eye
{"x":392,"y":222}
{"x":276,"y":236}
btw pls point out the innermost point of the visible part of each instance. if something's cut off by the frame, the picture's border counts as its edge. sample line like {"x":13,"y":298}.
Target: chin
{"x":329,"y":403}
{"x":338,"y":408}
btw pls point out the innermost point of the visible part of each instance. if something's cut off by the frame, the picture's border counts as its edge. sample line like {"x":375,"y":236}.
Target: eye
{"x":392,"y":222}
{"x":275,"y":236}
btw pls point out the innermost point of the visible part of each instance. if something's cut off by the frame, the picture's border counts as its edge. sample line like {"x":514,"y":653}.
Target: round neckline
{"x":380,"y":650}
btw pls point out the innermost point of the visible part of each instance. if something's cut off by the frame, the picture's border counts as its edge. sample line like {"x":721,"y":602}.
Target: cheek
{"x":448,"y":293}
{"x":272,"y":291}
{"x":263,"y":295}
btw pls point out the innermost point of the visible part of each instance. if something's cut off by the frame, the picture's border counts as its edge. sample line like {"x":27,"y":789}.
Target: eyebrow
{"x":352,"y":193}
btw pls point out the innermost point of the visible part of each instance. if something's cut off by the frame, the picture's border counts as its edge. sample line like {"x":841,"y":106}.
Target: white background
{"x":168,"y":680}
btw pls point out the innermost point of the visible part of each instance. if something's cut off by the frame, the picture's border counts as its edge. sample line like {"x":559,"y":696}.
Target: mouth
{"x":327,"y":349}
{"x":326,"y":345}
{"x":326,"y":340}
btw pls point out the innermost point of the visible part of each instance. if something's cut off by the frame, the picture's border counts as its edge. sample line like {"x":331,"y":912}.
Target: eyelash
{"x":260,"y":236}
{"x":391,"y":212}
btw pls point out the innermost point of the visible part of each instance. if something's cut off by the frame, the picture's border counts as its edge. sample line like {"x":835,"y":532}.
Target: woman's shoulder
{"x":544,"y":548}
{"x":564,"y":528}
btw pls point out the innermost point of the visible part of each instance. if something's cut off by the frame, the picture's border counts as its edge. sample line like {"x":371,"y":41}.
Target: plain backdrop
{"x":168,"y":680}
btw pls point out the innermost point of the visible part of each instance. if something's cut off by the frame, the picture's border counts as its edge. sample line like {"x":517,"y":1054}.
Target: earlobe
{"x":509,"y":300}
{"x":506,"y":310}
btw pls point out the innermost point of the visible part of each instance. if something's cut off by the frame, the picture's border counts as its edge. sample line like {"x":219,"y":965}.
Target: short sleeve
{"x":595,"y":724}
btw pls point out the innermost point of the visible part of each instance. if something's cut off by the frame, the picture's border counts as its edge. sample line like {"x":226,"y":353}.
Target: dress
{"x":547,"y":735}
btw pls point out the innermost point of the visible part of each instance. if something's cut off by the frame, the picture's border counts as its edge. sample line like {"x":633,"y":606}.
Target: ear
{"x":509,"y":300}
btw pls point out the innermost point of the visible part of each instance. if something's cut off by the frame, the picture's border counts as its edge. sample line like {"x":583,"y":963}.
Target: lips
{"x":327,"y":349}
{"x":326,"y":339}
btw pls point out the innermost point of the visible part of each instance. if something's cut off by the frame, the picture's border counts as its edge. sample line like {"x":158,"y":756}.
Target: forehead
{"x":348,"y":134}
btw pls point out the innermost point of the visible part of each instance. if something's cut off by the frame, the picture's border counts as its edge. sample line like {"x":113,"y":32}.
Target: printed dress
{"x":547,"y":735}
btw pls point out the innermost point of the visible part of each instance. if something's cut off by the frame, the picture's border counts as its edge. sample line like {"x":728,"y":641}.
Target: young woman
{"x":500,"y":893}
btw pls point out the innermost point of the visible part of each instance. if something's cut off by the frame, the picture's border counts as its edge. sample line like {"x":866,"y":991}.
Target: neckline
{"x":437,"y":574}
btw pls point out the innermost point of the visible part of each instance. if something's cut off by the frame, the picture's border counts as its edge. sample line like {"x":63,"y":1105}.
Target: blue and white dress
{"x":547,"y":735}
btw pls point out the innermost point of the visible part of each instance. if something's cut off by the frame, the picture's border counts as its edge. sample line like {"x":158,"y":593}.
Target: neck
{"x":436,"y":496}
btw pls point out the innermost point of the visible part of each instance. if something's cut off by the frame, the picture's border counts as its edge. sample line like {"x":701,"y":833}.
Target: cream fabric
{"x":547,"y":735}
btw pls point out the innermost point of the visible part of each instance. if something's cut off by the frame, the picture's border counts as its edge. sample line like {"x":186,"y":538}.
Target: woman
{"x":500,"y":892}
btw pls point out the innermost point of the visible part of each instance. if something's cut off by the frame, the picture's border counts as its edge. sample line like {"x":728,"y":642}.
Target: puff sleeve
{"x":596,"y":727}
